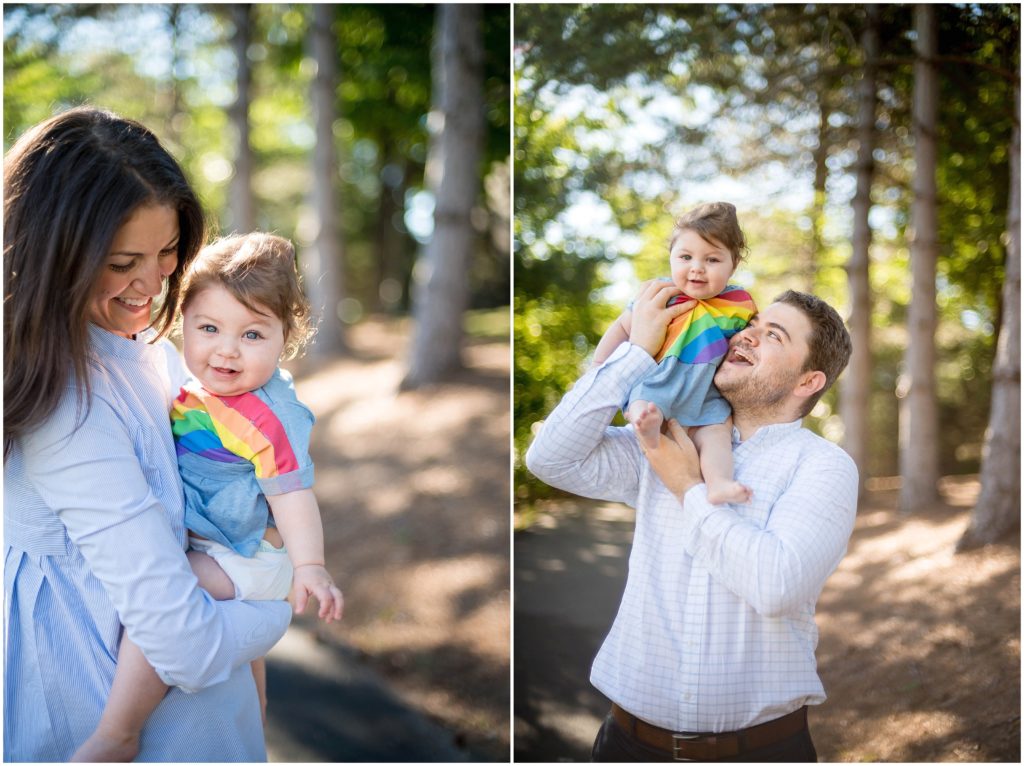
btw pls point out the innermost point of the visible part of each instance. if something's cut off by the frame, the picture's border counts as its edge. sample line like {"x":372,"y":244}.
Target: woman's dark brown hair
{"x":69,"y":185}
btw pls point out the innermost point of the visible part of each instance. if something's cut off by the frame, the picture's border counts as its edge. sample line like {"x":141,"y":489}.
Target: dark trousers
{"x":614,"y":744}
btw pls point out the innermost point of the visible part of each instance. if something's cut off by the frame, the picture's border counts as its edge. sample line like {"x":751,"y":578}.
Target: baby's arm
{"x":616,"y":334}
{"x":297,"y":516}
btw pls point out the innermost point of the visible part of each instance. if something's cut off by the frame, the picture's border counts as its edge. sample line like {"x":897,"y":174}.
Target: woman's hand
{"x":675,"y":460}
{"x":652,"y":314}
{"x":313,"y":580}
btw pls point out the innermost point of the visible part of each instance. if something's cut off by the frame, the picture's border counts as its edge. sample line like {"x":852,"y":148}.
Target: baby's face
{"x":228,"y":347}
{"x":701,"y":269}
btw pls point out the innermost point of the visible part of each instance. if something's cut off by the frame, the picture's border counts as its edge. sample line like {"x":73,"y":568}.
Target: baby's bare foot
{"x":648,"y":426}
{"x":106,"y":747}
{"x":728,"y":492}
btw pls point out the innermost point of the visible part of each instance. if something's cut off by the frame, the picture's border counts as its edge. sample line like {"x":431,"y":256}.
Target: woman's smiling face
{"x":143,"y":253}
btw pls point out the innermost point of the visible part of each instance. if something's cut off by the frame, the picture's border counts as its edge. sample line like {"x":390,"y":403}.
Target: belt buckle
{"x":677,"y":742}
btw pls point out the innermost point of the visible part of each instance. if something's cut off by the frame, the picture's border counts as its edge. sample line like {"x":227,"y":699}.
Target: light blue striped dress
{"x":94,"y":538}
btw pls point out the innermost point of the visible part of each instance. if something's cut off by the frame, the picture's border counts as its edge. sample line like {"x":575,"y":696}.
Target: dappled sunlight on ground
{"x":439,"y":594}
{"x":920,"y":647}
{"x":414,"y":490}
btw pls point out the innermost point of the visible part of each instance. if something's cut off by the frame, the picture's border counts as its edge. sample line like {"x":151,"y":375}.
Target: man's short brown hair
{"x":829,"y":345}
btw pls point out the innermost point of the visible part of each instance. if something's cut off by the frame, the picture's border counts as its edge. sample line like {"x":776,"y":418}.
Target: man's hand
{"x":675,"y":460}
{"x":314,"y":580}
{"x":652,"y":315}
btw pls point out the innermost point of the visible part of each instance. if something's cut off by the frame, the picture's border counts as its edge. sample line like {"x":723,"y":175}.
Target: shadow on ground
{"x":326,"y":706}
{"x":569,"y":574}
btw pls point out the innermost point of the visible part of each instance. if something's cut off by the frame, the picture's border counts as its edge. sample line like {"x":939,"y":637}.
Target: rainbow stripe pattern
{"x":231,"y":429}
{"x":701,"y":335}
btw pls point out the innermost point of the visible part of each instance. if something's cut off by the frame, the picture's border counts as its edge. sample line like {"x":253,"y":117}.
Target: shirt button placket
{"x":694,"y":611}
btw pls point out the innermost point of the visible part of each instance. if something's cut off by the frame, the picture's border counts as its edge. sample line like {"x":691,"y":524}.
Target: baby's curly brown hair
{"x":259,"y":270}
{"x":713,"y":220}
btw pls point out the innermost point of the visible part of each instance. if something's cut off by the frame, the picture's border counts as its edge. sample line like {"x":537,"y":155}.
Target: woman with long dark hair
{"x":99,"y":225}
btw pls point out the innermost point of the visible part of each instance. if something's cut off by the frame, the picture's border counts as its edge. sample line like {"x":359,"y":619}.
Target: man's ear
{"x":809,"y":383}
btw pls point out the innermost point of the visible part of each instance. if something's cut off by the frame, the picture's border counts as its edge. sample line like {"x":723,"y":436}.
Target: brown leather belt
{"x":711,"y":747}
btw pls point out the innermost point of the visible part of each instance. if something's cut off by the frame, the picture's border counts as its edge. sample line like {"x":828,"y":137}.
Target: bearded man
{"x":711,"y":654}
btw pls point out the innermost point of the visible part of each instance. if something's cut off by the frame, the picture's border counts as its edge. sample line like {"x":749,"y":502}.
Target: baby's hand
{"x":314,"y":580}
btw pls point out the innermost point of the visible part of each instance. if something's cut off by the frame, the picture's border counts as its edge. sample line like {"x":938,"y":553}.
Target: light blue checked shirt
{"x":93,"y":539}
{"x":715,"y":631}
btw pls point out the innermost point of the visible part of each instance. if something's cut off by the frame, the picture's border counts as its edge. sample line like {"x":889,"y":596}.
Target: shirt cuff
{"x":630,"y":362}
{"x":701,"y":519}
{"x":287,"y":482}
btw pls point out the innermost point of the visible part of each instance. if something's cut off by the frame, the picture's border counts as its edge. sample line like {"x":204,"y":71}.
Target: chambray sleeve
{"x":89,"y":474}
{"x":296,"y":422}
{"x":778,"y":569}
{"x":577,"y":450}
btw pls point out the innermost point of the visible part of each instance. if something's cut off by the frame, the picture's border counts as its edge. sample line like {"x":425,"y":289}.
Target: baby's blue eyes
{"x":248,"y":334}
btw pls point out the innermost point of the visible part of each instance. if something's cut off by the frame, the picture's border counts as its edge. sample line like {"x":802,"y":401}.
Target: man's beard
{"x":757,"y":395}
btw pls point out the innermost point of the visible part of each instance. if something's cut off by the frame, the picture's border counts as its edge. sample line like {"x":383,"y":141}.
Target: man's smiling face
{"x":765,"y":359}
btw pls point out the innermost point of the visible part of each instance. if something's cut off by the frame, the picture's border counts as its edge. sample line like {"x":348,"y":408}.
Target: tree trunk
{"x":998,"y":507}
{"x":457,"y":121}
{"x":241,"y":203}
{"x":855,"y":393}
{"x":176,"y":108}
{"x":919,"y":426}
{"x":322,"y":263}
{"x":807,"y":276}
{"x":388,"y":239}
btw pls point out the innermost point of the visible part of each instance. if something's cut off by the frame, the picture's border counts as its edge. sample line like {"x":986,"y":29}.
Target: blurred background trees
{"x":806,"y":117}
{"x":309,"y":121}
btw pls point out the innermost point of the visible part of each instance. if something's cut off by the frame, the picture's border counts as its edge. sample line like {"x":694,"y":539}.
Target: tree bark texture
{"x":241,"y":204}
{"x":998,"y":508}
{"x":322,"y":263}
{"x":457,"y":124}
{"x":855,"y":392}
{"x":807,"y":278}
{"x":919,"y":427}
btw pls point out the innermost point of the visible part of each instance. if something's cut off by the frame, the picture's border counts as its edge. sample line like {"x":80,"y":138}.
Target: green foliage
{"x":31,"y":85}
{"x":976,"y":118}
{"x":552,"y":335}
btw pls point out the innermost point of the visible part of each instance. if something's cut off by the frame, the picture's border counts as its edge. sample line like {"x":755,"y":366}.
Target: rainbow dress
{"x":233,"y":451}
{"x":696,"y":342}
